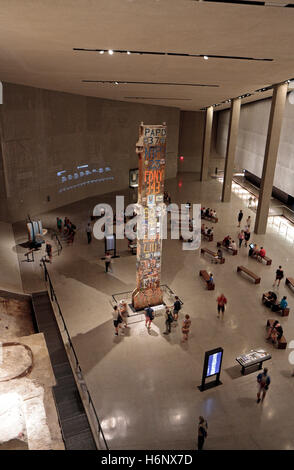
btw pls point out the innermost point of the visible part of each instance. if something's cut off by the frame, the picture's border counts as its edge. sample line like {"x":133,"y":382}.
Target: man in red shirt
{"x":262,"y":252}
{"x":221,"y":302}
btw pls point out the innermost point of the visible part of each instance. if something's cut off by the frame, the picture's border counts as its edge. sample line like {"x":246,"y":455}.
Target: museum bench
{"x":261,"y":258}
{"x":213,"y":219}
{"x":249,"y":273}
{"x":213,"y":255}
{"x":289,"y":281}
{"x":283,"y":312}
{"x":208,"y":237}
{"x":204,"y":274}
{"x":230,"y":250}
{"x":282,"y":343}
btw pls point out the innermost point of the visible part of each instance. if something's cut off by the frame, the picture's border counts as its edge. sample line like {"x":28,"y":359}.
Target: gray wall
{"x":43,"y":132}
{"x":252,"y":139}
{"x":191,"y":140}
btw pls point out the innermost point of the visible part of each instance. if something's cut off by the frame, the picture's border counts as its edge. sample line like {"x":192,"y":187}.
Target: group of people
{"x":270,"y":301}
{"x":229,"y":243}
{"x":207,"y":212}
{"x":206,"y":231}
{"x":256,"y":252}
{"x":67,"y":228}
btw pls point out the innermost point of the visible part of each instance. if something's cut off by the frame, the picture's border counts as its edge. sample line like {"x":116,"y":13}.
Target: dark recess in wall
{"x":277,"y":193}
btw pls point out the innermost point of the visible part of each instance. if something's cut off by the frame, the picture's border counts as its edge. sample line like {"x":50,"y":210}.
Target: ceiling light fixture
{"x":101,"y":52}
{"x":128,"y":52}
{"x":205,"y":57}
{"x":110,"y":52}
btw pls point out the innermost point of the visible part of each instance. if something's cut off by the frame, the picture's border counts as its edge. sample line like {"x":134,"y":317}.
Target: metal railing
{"x":79,"y":373}
{"x":58,"y":242}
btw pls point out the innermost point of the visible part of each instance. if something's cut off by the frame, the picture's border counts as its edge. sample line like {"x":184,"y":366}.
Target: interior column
{"x":206,"y":144}
{"x":231,"y":149}
{"x":270,"y":156}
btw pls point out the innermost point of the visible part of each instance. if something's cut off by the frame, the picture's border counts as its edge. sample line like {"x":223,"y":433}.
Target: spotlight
{"x":110,"y":52}
{"x":205,"y":57}
{"x":116,"y":83}
{"x":128,"y":52}
{"x":101,"y":52}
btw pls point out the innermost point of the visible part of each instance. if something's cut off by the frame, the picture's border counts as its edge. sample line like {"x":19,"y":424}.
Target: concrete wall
{"x":45,"y":132}
{"x":252,"y":139}
{"x":10,"y":279}
{"x":191,"y":140}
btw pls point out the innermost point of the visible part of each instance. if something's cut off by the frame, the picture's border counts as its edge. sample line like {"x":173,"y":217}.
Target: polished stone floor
{"x":144,"y":385}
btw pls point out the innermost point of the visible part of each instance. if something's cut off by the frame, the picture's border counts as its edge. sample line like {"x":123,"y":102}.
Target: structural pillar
{"x":206,"y":144}
{"x":270,"y":156}
{"x":231,"y":149}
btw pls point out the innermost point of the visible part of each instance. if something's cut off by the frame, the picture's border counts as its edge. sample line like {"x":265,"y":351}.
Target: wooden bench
{"x":230,"y":250}
{"x":250,"y":273}
{"x":207,"y":237}
{"x":265,"y":258}
{"x":213,"y":255}
{"x":289,"y":281}
{"x":205,"y":276}
{"x":213,"y":219}
{"x":282,"y":343}
{"x":284,"y":312}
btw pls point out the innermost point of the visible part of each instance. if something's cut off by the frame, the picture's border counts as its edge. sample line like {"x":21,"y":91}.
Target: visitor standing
{"x":177,"y":308}
{"x":202,"y":432}
{"x":240,"y":217}
{"x":89,"y":232}
{"x":241,"y":238}
{"x":221,"y":302}
{"x":149,"y":316}
{"x":49,"y":251}
{"x":248,"y":221}
{"x":263,"y":381}
{"x":279,"y":276}
{"x":117,"y":319}
{"x":107,"y":262}
{"x":168,"y":320}
{"x":247,"y":235}
{"x":59,"y":224}
{"x":186,"y":327}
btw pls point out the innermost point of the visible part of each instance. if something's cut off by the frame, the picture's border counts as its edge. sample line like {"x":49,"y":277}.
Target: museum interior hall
{"x":146,"y":225}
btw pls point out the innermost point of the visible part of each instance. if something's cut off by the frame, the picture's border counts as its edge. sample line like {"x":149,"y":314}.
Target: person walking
{"x":247,"y":236}
{"x":240,"y":217}
{"x":263,"y":382}
{"x":117,"y":319}
{"x":186,"y":327}
{"x":177,"y":308}
{"x":279,"y":276}
{"x":202,"y":432}
{"x":89,"y":232}
{"x":149,"y":316}
{"x":168,"y":320}
{"x":248,"y":221}
{"x":107,"y":262}
{"x":241,"y":238}
{"x":221,"y":302}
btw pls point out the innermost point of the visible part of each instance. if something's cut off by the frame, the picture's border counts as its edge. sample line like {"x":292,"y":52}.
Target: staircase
{"x":73,"y":420}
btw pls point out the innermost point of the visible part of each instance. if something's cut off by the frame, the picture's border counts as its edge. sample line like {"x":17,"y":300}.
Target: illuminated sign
{"x":211,"y":367}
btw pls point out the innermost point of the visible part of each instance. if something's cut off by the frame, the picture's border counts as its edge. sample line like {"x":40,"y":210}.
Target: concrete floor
{"x":144,"y":385}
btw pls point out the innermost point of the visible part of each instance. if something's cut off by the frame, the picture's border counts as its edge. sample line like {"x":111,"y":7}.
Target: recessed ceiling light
{"x":128,"y":52}
{"x":116,"y":83}
{"x":110,"y":52}
{"x":205,"y":57}
{"x":101,"y":52}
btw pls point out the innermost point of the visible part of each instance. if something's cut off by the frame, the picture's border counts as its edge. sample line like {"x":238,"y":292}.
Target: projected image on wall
{"x":83,"y":175}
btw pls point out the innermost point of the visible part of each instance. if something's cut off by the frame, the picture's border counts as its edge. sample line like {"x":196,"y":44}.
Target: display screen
{"x":214,"y":364}
{"x":110,"y":242}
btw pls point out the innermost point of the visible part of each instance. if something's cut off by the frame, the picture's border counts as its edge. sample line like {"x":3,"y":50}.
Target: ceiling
{"x":37,"y":38}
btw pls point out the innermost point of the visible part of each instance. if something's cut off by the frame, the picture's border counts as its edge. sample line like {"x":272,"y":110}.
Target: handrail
{"x":59,"y":245}
{"x":54,"y":299}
